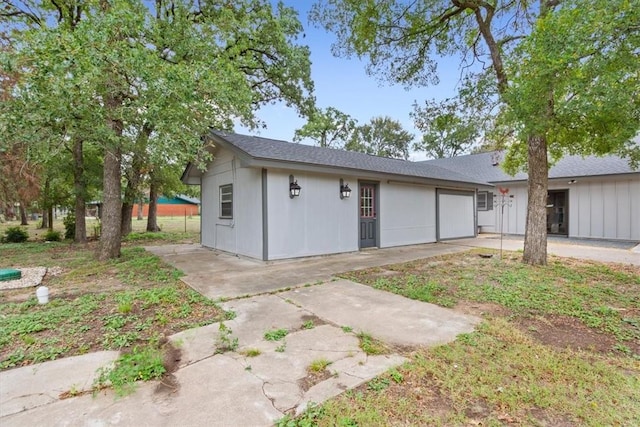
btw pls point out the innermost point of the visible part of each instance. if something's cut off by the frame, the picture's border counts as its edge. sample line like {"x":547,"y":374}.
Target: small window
{"x":484,"y":201}
{"x":226,"y":201}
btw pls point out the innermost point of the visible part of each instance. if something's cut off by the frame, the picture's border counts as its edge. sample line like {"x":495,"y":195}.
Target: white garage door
{"x":456,"y":216}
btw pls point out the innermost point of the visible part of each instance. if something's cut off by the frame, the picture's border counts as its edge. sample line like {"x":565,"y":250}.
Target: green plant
{"x":52,"y":236}
{"x":69,"y":223}
{"x":307,"y":419}
{"x":141,"y":364}
{"x":318,"y":365}
{"x":347,"y":329}
{"x":378,"y":384}
{"x":370,"y":345}
{"x":275,"y":334}
{"x":282,"y":347}
{"x":252,"y":352}
{"x":15,"y":234}
{"x":308,"y":324}
{"x":226,"y":341}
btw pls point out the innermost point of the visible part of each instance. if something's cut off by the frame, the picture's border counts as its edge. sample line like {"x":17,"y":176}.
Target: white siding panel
{"x":609,"y":210}
{"x":634,"y":215}
{"x":456,"y":216}
{"x":584,"y":210}
{"x":597,"y":210}
{"x":407,"y":214}
{"x":247,"y":199}
{"x":317,"y":222}
{"x":623,"y":208}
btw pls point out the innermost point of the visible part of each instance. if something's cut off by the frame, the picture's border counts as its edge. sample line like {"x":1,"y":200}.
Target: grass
{"x":174,"y":229}
{"x":140,"y":364}
{"x":318,"y":365}
{"x":506,"y":372}
{"x":126,"y":303}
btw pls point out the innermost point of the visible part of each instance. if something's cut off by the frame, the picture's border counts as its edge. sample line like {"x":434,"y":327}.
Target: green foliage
{"x":225,"y":341}
{"x":382,"y":136}
{"x":319,"y":365}
{"x":308,"y":325}
{"x":448,"y":130}
{"x":69,"y":223}
{"x":52,"y":236}
{"x":275,"y":334}
{"x":327,"y":128}
{"x":165,"y":75}
{"x":140,"y":364}
{"x":307,"y":419}
{"x":578,"y":66}
{"x":15,"y":234}
{"x":371,"y":346}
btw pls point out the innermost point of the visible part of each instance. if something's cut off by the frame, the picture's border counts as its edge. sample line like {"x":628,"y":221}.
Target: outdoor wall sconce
{"x":345,"y":191}
{"x":294,"y":188}
{"x":573,"y":181}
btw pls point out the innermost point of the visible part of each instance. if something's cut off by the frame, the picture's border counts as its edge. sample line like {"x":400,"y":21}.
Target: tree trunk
{"x":23,"y":215}
{"x":45,"y":219}
{"x":80,"y":189}
{"x":110,"y":238}
{"x":535,"y":238}
{"x":127,"y":217}
{"x":141,"y":208}
{"x":152,"y":219}
{"x":50,"y":219}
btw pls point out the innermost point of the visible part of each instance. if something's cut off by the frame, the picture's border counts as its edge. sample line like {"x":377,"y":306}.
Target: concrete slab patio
{"x":220,"y":275}
{"x":234,"y":389}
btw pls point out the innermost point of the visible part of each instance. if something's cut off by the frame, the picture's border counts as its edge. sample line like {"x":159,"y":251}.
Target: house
{"x":270,"y":199}
{"x":179,"y":205}
{"x":590,"y":197}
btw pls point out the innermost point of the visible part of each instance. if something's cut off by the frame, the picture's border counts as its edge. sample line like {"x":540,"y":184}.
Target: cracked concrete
{"x":232,"y":388}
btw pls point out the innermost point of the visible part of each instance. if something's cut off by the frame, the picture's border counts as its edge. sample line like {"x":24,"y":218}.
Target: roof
{"x":481,"y":167}
{"x":282,"y":151}
{"x":178,"y":199}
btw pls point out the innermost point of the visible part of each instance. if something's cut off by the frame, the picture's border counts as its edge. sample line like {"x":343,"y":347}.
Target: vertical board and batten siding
{"x":605,"y":209}
{"x":317,"y":222}
{"x":599,"y":208}
{"x":241,"y":234}
{"x":407,"y":214}
{"x":456,"y":214}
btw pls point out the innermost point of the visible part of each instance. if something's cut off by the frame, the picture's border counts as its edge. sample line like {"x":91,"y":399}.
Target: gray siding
{"x":241,"y":234}
{"x":605,"y":208}
{"x":456,"y":215}
{"x":599,"y":208}
{"x":317,"y":222}
{"x":407,"y":214}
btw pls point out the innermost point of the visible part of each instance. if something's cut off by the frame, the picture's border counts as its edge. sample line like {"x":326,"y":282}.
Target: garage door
{"x":456,"y":214}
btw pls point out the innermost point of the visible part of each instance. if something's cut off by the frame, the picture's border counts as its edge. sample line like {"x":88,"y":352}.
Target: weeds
{"x":318,"y":365}
{"x":275,"y":334}
{"x":141,"y":364}
{"x":370,"y":345}
{"x":226,"y":341}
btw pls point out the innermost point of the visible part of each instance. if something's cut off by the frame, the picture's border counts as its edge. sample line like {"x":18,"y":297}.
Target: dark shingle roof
{"x":271,"y":149}
{"x":480,"y":166}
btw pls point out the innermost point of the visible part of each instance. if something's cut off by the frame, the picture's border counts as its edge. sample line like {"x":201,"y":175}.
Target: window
{"x":484,"y":201}
{"x":226,"y":201}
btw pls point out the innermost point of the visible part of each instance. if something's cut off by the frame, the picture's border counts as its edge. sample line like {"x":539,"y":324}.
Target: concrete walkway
{"x":234,"y":389}
{"x":219,"y":275}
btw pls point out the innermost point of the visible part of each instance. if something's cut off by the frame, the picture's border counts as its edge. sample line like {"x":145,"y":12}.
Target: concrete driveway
{"x":219,"y":275}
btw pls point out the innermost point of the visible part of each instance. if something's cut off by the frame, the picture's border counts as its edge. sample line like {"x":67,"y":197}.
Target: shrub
{"x":69,"y":222}
{"x":15,"y":234}
{"x":52,"y":236}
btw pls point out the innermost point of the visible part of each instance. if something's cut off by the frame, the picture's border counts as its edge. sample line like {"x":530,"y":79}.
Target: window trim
{"x":225,"y":190}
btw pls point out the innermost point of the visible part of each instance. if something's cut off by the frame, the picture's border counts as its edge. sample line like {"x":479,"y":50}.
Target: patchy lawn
{"x":559,"y":345}
{"x":135,"y":301}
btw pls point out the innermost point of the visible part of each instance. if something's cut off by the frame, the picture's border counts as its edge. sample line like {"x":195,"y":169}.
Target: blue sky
{"x":343,"y":83}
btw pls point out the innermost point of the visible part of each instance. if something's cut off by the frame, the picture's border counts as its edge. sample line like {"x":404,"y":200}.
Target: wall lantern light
{"x":345,"y":191}
{"x":294,"y":188}
{"x":572,"y":181}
